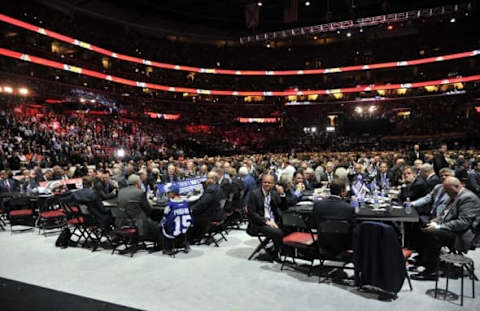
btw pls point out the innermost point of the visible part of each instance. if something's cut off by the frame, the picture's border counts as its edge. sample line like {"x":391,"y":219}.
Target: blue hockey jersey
{"x":177,"y":218}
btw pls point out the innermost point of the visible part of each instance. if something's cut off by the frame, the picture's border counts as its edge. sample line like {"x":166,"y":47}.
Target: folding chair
{"x":20,"y":213}
{"x":51,"y":216}
{"x":300,"y":243}
{"x":127,"y":235}
{"x":3,"y":218}
{"x":216,"y":228}
{"x":332,"y":237}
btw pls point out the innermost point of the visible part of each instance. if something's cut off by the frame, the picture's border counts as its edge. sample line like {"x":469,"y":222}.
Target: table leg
{"x":402,"y":233}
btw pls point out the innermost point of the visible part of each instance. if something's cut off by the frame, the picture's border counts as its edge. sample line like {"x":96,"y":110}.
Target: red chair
{"x":51,"y":216}
{"x":20,"y":213}
{"x":298,"y":244}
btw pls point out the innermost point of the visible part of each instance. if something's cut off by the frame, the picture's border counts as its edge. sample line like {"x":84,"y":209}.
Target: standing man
{"x":439,"y":160}
{"x":416,"y":154}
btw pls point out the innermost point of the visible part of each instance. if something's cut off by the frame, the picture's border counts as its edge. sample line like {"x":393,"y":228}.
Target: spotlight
{"x":358,"y":109}
{"x":307,"y":3}
{"x":268,"y":45}
{"x":8,"y":89}
{"x":315,"y":37}
{"x":361,"y":29}
{"x":453,"y":20}
{"x":23,"y":91}
{"x":82,"y":100}
{"x":372,"y":108}
{"x":338,"y":31}
{"x":390,"y":27}
{"x":259,"y":3}
{"x":120,"y":153}
{"x":349,"y":34}
{"x":92,"y":101}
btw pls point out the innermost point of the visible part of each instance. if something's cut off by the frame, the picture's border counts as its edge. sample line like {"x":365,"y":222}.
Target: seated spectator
{"x":102,"y":186}
{"x":384,"y":177}
{"x":428,"y":174}
{"x":263,"y":208}
{"x":310,"y":180}
{"x":134,"y":203}
{"x":93,"y":201}
{"x":450,"y":227}
{"x":177,"y":218}
{"x":248,"y":180}
{"x":7,"y":184}
{"x":207,"y":208}
{"x":285,"y":186}
{"x":414,"y":187}
{"x":27,"y":184}
{"x":171,"y":175}
{"x":334,"y":208}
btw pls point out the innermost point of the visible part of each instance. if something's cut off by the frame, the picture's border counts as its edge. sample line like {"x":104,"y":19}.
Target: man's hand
{"x":431,"y":226}
{"x":280,"y":190}
{"x":300,"y":187}
{"x":271,"y":223}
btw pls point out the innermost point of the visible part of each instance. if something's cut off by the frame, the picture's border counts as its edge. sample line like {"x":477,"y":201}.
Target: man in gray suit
{"x":133,"y":204}
{"x":452,"y":228}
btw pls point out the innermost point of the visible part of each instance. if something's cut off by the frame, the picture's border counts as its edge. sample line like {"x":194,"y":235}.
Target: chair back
{"x":294,"y":220}
{"x":334,"y":236}
{"x":19,"y":202}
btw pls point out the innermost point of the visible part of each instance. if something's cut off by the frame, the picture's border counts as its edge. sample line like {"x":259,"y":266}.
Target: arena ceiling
{"x":225,"y":19}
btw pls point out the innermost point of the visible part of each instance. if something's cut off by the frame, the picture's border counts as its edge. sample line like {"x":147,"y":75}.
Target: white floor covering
{"x":208,"y":278}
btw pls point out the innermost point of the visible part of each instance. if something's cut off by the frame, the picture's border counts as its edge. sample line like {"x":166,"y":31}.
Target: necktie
{"x":268,"y":207}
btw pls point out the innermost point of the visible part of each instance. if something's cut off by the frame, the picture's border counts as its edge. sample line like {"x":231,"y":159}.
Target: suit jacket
{"x":434,"y":199}
{"x":332,"y":208}
{"x":459,"y":216}
{"x":94,"y":204}
{"x":415,"y":190}
{"x":139,"y":211}
{"x":412,"y":156}
{"x":101,"y":190}
{"x":324,"y":176}
{"x":388,"y":176}
{"x":256,"y":209}
{"x":11,"y":187}
{"x":311,"y":184}
{"x":208,"y":206}
{"x":439,"y":162}
{"x":377,"y":257}
{"x":432,"y":181}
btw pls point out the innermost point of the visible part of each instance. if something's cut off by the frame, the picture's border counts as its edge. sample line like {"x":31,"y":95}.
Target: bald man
{"x":451,"y":228}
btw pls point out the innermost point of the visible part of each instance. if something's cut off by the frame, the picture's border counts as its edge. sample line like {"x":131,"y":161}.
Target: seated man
{"x":93,"y":201}
{"x":334,"y":208}
{"x":384,"y":178}
{"x":453,"y":223}
{"x":433,"y":204}
{"x":207,"y":208}
{"x":292,"y":194}
{"x":428,"y":174}
{"x":329,"y":173}
{"x":310,"y":181}
{"x":414,"y":187}
{"x":177,"y":218}
{"x":133,"y":202}
{"x":263,"y":209}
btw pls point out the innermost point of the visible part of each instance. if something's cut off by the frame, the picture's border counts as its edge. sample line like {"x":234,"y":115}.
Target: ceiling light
{"x":358,"y":109}
{"x":349,"y":34}
{"x":259,"y":3}
{"x":307,"y":3}
{"x":372,"y":108}
{"x":23,"y":91}
{"x":452,"y":20}
{"x":8,"y":89}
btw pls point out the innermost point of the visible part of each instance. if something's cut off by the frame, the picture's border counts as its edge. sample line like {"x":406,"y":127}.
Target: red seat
{"x":126,"y":231}
{"x":76,"y":221}
{"x":300,"y":238}
{"x":51,"y":214}
{"x":21,"y":212}
{"x":74,"y":209}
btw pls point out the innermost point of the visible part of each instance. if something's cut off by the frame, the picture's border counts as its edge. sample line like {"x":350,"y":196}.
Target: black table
{"x":368,"y":213}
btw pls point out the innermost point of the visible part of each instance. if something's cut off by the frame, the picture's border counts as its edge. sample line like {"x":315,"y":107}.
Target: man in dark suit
{"x":133,"y":202}
{"x":7,"y":184}
{"x":93,"y":201}
{"x":428,"y":174}
{"x":329,"y":173}
{"x":452,"y":228}
{"x":207,"y":208}
{"x":414,"y":188}
{"x":333,"y":207}
{"x":171,"y":175}
{"x":415,"y":154}
{"x":27,"y":184}
{"x":263,"y":211}
{"x":384,"y":177}
{"x":439,"y":160}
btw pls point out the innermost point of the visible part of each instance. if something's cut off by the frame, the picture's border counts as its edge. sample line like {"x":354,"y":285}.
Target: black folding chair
{"x":20,"y":213}
{"x":300,"y":243}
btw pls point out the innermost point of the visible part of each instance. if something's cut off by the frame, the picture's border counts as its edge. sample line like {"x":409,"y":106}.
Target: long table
{"x":368,"y":213}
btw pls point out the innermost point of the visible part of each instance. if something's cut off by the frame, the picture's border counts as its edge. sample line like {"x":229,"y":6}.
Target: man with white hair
{"x":427,"y":172}
{"x":452,"y":228}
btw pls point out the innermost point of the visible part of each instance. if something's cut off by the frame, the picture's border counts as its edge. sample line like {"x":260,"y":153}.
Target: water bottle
{"x":361,"y":202}
{"x":375,"y":199}
{"x":354,"y":203}
{"x":383,"y":194}
{"x":408,"y":206}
